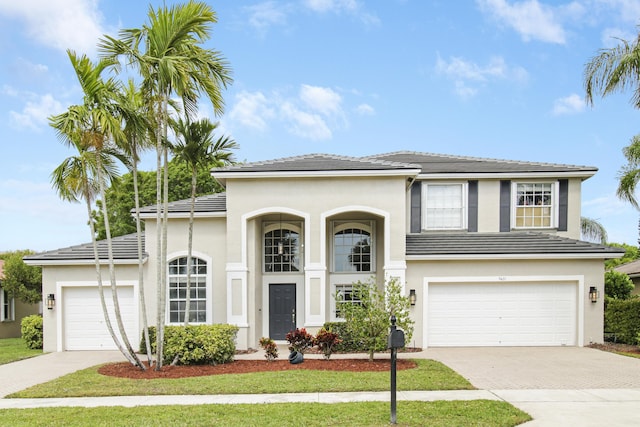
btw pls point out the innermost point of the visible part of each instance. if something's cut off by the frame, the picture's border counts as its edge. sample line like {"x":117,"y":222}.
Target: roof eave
{"x":220,"y":176}
{"x":81,"y":262}
{"x":544,"y":256}
{"x":503,"y":175}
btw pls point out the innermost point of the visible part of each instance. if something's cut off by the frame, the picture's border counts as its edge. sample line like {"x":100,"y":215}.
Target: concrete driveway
{"x":570,"y":368}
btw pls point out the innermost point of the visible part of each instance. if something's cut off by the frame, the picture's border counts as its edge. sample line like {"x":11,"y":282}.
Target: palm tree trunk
{"x":112,"y":276}
{"x":159,"y":263}
{"x":194,"y":175}
{"x":143,"y":304}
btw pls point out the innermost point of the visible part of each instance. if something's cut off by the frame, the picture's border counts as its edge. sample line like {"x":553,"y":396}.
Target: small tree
{"x":369,"y":318}
{"x":22,"y":281}
{"x":617,"y":285}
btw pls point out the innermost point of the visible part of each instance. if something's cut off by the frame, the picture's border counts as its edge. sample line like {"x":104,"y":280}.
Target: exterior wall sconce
{"x":593,"y":294}
{"x":51,"y":301}
{"x":412,"y":297}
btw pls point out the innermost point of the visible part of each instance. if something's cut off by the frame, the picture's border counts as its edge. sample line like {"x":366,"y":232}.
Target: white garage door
{"x":501,"y":314}
{"x":84,"y":324}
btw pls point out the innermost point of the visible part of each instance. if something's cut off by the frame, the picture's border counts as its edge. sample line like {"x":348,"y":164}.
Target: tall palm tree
{"x":197,"y":149}
{"x":137,"y":127}
{"x":96,"y":124}
{"x":168,"y":54}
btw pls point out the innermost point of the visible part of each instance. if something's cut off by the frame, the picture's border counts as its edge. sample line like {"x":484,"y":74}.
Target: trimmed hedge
{"x":196,"y":344}
{"x":31,"y":329}
{"x":622,"y":318}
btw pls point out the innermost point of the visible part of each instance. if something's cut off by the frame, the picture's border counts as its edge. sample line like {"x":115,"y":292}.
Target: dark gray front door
{"x":282,"y":310}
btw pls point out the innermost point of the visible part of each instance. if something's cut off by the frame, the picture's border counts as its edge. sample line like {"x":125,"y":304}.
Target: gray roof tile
{"x":512,"y":243}
{"x":440,"y":163}
{"x":210,"y":203}
{"x":124,"y":248}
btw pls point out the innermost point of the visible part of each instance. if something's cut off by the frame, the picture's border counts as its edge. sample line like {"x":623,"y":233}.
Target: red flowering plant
{"x":270,"y":349}
{"x":299,"y":340}
{"x":326,"y":341}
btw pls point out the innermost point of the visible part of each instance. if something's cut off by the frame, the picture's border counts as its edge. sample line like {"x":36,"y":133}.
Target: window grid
{"x":178,"y":290}
{"x":6,"y":307}
{"x":444,"y":207}
{"x":345,"y":295}
{"x":352,"y":250}
{"x":534,"y":205}
{"x":288,"y":260}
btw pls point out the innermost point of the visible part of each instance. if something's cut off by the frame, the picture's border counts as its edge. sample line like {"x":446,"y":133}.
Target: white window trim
{"x":345,"y":280}
{"x":209,"y":287}
{"x":367,"y":225}
{"x":465,"y":205}
{"x":12,"y":307}
{"x":288,"y":225}
{"x":555,"y":199}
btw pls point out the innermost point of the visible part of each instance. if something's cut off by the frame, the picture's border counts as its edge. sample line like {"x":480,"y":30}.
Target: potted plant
{"x":299,"y":340}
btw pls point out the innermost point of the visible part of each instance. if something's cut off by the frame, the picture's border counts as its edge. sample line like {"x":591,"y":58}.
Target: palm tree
{"x":137,"y":127}
{"x":591,"y":229}
{"x":95,"y":125}
{"x":167,"y":53}
{"x":197,"y":149}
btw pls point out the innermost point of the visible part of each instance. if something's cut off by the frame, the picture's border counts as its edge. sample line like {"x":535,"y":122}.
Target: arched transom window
{"x":353,"y":247}
{"x":178,"y":290}
{"x":281,"y":248}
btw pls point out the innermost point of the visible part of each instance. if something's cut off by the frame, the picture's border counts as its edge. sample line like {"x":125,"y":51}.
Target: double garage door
{"x":501,"y":314}
{"x":84,"y":327}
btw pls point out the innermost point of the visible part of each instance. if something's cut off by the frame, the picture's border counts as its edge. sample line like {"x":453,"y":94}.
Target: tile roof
{"x":631,"y":269}
{"x":210,"y":203}
{"x":440,"y":163}
{"x":512,"y":243}
{"x":125,"y":248}
{"x":318,"y":163}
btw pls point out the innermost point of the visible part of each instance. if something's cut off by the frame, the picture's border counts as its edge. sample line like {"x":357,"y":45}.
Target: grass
{"x":439,"y":413}
{"x":14,"y":349}
{"x":428,"y":375}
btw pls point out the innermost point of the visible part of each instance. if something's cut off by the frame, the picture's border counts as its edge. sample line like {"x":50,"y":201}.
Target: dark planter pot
{"x":295,"y":357}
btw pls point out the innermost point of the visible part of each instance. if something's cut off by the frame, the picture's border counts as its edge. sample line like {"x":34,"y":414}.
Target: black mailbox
{"x":396,"y":339}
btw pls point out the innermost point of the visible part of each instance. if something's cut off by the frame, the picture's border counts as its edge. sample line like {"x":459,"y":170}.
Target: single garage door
{"x":501,"y":314}
{"x":84,"y":324}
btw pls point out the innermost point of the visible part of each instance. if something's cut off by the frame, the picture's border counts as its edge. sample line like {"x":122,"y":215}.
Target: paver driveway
{"x":500,"y":368}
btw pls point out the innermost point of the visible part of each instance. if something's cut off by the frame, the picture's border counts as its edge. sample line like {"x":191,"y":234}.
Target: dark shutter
{"x":563,"y":204}
{"x":505,"y":205}
{"x":416,"y":207}
{"x":472,"y":200}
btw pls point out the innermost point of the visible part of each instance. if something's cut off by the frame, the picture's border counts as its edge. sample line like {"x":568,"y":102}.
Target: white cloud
{"x":264,"y":15}
{"x":303,"y":124}
{"x":531,"y":19}
{"x":571,"y":104}
{"x":351,"y":7}
{"x":252,"y":110}
{"x":466,"y":74}
{"x":321,"y":99}
{"x":36,"y":112}
{"x":365,"y":110}
{"x":60,"y":24}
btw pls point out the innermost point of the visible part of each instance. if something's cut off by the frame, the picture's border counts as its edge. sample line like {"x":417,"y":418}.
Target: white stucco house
{"x":490,"y":249}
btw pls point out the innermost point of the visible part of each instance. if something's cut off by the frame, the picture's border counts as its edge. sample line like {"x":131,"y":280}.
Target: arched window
{"x":178,"y":290}
{"x":352,"y":247}
{"x":281,"y":248}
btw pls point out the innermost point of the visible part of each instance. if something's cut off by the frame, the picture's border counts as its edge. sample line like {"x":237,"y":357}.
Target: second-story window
{"x":444,"y":206}
{"x":534,"y":205}
{"x":353,"y":247}
{"x":282,"y":247}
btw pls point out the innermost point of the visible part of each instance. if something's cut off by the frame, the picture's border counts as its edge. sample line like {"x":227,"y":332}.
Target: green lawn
{"x":440,"y":413}
{"x":429,"y":375}
{"x":14,"y":349}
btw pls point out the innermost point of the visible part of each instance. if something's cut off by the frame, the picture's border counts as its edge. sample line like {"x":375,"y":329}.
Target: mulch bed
{"x":126,"y":370}
{"x":617,"y":347}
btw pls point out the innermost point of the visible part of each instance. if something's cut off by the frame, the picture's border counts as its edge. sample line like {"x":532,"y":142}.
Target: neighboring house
{"x":490,"y":249}
{"x":632,"y":269}
{"x":12,"y":311}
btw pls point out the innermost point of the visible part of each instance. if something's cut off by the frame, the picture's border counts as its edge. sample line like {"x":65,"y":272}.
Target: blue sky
{"x":488,"y":78}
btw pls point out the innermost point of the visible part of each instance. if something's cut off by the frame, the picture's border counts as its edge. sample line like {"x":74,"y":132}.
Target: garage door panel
{"x":84,"y":324}
{"x":501,"y":314}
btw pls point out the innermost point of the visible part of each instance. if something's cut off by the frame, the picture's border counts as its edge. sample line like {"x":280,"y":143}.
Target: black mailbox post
{"x":394,"y":342}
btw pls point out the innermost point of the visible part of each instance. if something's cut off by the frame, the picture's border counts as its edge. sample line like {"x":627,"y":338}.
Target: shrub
{"x":349,"y":340}
{"x":617,"y":285}
{"x":270,"y":348}
{"x":196,"y":344}
{"x":299,"y":340}
{"x":622,"y":318}
{"x":31,"y":328}
{"x":326,"y":342}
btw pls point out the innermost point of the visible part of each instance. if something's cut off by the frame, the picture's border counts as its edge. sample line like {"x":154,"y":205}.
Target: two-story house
{"x":488,"y":250}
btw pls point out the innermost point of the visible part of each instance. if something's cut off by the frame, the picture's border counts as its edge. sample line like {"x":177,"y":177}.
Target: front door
{"x":282,"y":310}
